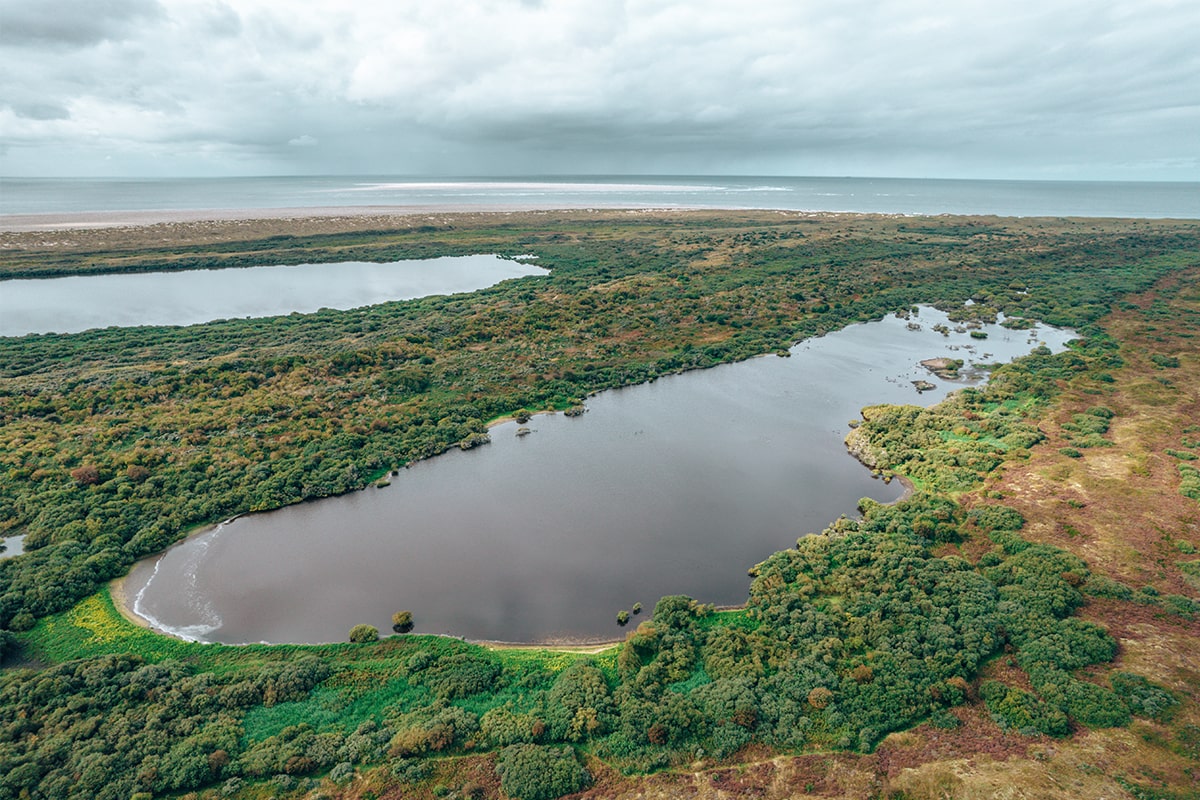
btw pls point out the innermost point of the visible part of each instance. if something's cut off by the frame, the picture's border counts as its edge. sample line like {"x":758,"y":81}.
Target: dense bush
{"x":1144,"y":698}
{"x":460,"y":675}
{"x":111,"y":726}
{"x":532,"y":772}
{"x":1018,"y":710}
{"x":363,"y":634}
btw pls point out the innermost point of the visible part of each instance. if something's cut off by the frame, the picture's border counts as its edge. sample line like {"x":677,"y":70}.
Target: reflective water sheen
{"x":676,"y":486}
{"x":13,"y":546}
{"x":70,"y":305}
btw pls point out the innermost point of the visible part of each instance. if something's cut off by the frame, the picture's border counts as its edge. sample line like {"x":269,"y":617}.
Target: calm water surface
{"x":70,"y":305}
{"x":677,"y":486}
{"x":883,"y":195}
{"x":13,"y":546}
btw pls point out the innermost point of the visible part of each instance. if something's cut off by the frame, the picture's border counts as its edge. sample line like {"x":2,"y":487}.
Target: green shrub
{"x":533,"y":772}
{"x":1104,"y":586}
{"x":996,"y":518}
{"x":1017,"y":709}
{"x":1144,"y":698}
{"x":402,"y":621}
{"x":342,"y":772}
{"x":1189,"y":483}
{"x":1164,"y":361}
{"x":945,"y":720}
{"x":460,"y":675}
{"x":363,"y":634}
{"x":1093,"y":706}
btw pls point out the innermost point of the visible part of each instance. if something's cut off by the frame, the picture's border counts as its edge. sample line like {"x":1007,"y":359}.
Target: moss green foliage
{"x":402,"y":621}
{"x":1000,"y":524}
{"x":361,"y":634}
{"x":1189,"y":481}
{"x":115,"y":442}
{"x":1164,"y":361}
{"x":110,"y":726}
{"x":459,"y":675}
{"x":530,"y":772}
{"x":1143,"y":697}
{"x":1088,"y":429}
{"x":1017,"y":709}
{"x":952,"y":446}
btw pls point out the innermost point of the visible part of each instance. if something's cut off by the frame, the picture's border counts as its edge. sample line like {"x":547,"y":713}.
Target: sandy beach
{"x":118,"y":591}
{"x":89,"y":220}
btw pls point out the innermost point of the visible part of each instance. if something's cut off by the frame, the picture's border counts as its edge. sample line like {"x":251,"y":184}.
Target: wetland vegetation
{"x":991,"y":611}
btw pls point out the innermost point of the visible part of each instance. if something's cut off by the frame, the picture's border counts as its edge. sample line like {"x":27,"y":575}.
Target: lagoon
{"x":187,"y":297}
{"x":677,"y":486}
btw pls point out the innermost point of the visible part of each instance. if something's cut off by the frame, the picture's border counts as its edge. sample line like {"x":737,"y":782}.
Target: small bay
{"x":677,"y":486}
{"x":187,"y":297}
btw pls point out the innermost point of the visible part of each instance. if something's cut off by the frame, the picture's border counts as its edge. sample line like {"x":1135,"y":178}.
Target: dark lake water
{"x":672,"y":487}
{"x":79,"y":303}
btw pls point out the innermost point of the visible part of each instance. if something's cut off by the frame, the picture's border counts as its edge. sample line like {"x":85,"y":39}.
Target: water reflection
{"x":676,"y":486}
{"x":79,"y":303}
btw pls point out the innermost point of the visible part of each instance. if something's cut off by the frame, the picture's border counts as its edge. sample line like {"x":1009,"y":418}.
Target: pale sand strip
{"x":120,"y":597}
{"x":77,"y":220}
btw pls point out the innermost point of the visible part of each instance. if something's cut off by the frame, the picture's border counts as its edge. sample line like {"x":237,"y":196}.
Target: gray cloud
{"x":40,"y":111}
{"x":1028,"y":88}
{"x":70,"y":23}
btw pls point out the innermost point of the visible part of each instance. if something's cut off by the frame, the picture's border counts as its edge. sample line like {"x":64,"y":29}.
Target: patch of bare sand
{"x":120,"y":597}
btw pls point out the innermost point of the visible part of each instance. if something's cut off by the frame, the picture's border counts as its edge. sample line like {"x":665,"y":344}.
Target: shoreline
{"x":120,"y":600}
{"x":139,"y":218}
{"x":119,"y":590}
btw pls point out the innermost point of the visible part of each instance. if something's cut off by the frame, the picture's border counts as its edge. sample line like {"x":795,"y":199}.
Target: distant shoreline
{"x":84,"y":220}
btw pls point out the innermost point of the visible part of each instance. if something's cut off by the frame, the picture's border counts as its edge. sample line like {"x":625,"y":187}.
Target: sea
{"x":1017,"y":198}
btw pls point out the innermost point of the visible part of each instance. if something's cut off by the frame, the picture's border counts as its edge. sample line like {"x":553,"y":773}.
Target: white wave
{"x":492,"y":187}
{"x":201,"y":607}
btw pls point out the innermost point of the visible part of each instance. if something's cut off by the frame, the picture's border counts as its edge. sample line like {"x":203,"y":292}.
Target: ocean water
{"x":875,"y":195}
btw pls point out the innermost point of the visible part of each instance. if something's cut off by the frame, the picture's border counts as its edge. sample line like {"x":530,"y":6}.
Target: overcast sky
{"x":1090,"y":89}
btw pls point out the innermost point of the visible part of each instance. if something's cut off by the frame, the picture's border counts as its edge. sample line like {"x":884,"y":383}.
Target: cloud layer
{"x":1026,"y":88}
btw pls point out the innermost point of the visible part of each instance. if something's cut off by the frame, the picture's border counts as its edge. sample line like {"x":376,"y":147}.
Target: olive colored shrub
{"x":460,"y":675}
{"x":1143,"y":697}
{"x":1017,"y":709}
{"x":533,"y":772}
{"x":364,"y":634}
